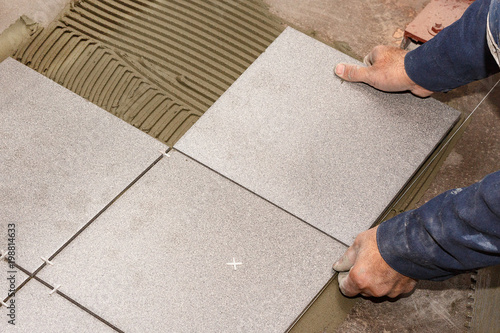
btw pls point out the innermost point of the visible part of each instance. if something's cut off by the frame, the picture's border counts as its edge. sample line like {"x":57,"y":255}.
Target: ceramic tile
{"x":334,"y":154}
{"x":35,"y":310}
{"x":10,"y":279}
{"x":62,"y":160}
{"x":157,"y":260}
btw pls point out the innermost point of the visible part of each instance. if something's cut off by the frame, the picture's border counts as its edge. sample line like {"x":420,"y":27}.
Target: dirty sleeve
{"x":458,"y":54}
{"x":455,"y":232}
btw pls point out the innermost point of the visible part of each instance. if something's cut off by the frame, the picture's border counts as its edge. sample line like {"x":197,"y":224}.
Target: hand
{"x":385,"y":71}
{"x":365,"y":272}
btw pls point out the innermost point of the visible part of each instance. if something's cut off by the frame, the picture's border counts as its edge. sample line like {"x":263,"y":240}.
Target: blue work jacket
{"x":458,"y":230}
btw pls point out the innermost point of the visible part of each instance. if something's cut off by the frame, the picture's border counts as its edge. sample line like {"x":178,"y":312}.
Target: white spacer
{"x":4,"y":255}
{"x":234,"y":263}
{"x":164,"y":153}
{"x":55,"y":289}
{"x":4,"y":304}
{"x":47,"y":261}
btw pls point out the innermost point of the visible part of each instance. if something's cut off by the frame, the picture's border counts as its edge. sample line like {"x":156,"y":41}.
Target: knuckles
{"x":369,"y":284}
{"x":359,"y":279}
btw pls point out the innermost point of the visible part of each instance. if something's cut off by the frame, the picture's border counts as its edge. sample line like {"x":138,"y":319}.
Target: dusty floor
{"x":356,"y":26}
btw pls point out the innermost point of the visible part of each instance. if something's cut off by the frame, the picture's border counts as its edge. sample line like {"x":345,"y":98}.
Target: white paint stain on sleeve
{"x":482,"y":241}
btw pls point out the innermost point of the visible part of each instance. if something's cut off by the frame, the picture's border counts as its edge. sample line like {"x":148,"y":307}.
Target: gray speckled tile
{"x":37,"y":311}
{"x":10,"y":279}
{"x":157,"y":259}
{"x":332,"y":154}
{"x":62,"y":160}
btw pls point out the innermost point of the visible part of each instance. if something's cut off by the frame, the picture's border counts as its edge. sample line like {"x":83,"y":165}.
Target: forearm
{"x":455,"y":232}
{"x":457,"y":55}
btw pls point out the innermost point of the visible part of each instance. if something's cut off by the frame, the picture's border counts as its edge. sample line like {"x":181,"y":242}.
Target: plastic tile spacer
{"x":164,"y":153}
{"x":234,"y":263}
{"x":55,"y":289}
{"x":4,"y":304}
{"x":47,"y":261}
{"x":3,"y":255}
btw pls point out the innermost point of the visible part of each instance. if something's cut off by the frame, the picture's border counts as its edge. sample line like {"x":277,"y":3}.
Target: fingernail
{"x":335,"y":265}
{"x":339,"y":70}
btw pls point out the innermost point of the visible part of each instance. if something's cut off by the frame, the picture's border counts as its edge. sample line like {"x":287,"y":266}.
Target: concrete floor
{"x":356,"y":26}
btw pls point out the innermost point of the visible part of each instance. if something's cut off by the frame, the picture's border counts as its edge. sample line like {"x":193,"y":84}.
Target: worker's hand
{"x":365,"y":272}
{"x":385,"y":71}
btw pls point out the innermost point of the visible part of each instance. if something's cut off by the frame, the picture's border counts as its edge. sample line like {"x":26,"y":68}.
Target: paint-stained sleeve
{"x":457,"y":55}
{"x":455,"y":232}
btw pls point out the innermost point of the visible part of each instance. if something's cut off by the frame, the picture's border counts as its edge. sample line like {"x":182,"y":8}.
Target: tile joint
{"x":47,"y":261}
{"x":55,"y":289}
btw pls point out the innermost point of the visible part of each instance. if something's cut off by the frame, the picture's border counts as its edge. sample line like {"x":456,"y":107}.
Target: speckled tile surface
{"x":35,"y":310}
{"x":62,"y":160}
{"x":333,"y":154}
{"x":10,"y":279}
{"x":157,"y":260}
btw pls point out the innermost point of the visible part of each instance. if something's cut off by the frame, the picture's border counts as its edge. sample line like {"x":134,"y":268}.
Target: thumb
{"x":352,"y":73}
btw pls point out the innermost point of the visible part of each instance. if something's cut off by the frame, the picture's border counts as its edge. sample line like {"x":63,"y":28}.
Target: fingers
{"x":385,"y":70}
{"x":351,"y":284}
{"x":352,"y":73}
{"x":375,"y":55}
{"x":342,"y":277}
{"x":346,"y":261}
{"x":368,"y":60}
{"x":346,"y":285}
{"x":343,"y":265}
{"x":356,"y":281}
{"x":364,"y":271}
{"x":404,"y":288}
{"x":355,"y":73}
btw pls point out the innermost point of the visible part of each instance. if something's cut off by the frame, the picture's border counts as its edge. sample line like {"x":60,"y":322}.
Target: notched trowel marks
{"x":100,"y":75}
{"x":157,"y":64}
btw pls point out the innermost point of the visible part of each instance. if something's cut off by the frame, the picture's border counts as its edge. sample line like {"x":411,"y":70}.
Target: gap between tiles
{"x":48,"y":261}
{"x":261,"y":197}
{"x":156,"y":180}
{"x":55,"y":290}
{"x":100,"y":213}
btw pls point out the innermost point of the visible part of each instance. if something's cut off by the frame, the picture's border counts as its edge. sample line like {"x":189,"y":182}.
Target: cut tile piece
{"x":62,"y":160}
{"x":37,"y":311}
{"x":332,"y":154}
{"x":194,"y":252}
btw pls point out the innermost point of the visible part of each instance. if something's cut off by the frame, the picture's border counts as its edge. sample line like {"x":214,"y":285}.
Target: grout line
{"x":82,"y":307}
{"x":445,"y":145}
{"x":258,"y":195}
{"x":101,"y":212}
{"x":33,"y":275}
{"x":25,"y":271}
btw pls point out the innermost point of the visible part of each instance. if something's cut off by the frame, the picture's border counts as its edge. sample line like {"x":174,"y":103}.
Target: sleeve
{"x":457,"y":55}
{"x":454,"y":232}
{"x":493,"y":33}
